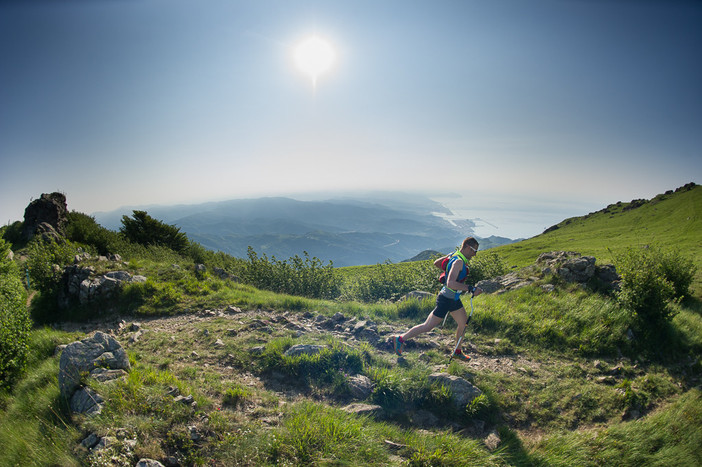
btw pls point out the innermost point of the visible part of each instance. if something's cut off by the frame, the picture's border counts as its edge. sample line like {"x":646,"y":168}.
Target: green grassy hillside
{"x":564,"y":379}
{"x":673,"y":219}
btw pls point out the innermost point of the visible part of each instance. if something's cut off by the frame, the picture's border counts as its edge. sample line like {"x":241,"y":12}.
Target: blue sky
{"x":534,"y":110}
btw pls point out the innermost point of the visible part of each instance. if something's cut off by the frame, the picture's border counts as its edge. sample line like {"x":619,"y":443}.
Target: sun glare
{"x":314,"y":56}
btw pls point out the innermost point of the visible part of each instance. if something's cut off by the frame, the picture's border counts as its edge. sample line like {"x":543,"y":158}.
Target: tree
{"x":146,"y":230}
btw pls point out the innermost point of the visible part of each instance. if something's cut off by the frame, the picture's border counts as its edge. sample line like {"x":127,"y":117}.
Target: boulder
{"x":366,"y":330}
{"x":461,"y":390}
{"x":90,"y":441}
{"x":86,"y":401}
{"x":224,"y":275}
{"x":424,"y":418}
{"x":489,"y":285}
{"x":303,"y":349}
{"x":608,"y":277}
{"x":87,"y":357}
{"x":104,"y":375}
{"x":492,"y":441}
{"x":48,"y":233}
{"x":361,"y":386}
{"x":569,"y":265}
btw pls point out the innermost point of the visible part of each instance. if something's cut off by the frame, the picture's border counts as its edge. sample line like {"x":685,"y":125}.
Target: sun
{"x":314,"y":56}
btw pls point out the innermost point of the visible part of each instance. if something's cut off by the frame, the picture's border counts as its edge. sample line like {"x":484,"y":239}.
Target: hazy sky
{"x":528,"y":107}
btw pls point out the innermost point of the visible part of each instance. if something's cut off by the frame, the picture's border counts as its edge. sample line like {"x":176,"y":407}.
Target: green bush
{"x":306,"y":277}
{"x":486,"y":265}
{"x":652,"y":282}
{"x":679,"y":270}
{"x":380,"y":282}
{"x":145,"y":230}
{"x":83,"y":229}
{"x":46,"y":259}
{"x":14,"y":320}
{"x":387,"y":281}
{"x":12,"y":233}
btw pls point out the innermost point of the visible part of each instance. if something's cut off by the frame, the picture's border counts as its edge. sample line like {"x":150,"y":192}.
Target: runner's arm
{"x":452,"y":278}
{"x":438,"y":261}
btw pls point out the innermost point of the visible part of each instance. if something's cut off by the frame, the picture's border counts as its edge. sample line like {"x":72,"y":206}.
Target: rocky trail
{"x":350,"y":330}
{"x":209,"y":331}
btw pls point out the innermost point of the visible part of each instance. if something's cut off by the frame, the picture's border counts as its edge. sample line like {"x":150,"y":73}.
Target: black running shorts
{"x":446,"y":305}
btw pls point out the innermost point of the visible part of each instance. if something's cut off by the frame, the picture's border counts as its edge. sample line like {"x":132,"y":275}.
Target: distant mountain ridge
{"x":347,"y":231}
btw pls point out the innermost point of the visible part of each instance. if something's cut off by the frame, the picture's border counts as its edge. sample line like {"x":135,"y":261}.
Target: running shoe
{"x":461,"y":356}
{"x":397,"y":344}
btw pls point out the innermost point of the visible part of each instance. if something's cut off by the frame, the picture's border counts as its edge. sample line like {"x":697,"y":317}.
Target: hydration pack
{"x":446,"y":264}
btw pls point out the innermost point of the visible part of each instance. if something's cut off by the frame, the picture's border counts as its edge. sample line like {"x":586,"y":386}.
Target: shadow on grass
{"x":513,"y":449}
{"x":693,"y":304}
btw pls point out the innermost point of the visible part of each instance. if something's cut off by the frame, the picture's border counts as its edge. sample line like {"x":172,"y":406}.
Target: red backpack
{"x":445,"y":267}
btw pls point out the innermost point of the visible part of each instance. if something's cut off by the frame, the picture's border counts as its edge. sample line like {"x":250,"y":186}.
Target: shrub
{"x":14,"y":320}
{"x":12,"y":233}
{"x":82,"y":228}
{"x":679,"y":270}
{"x":145,"y":230}
{"x":43,"y":257}
{"x":486,"y":265}
{"x":306,"y":277}
{"x":652,"y":282}
{"x":380,"y":282}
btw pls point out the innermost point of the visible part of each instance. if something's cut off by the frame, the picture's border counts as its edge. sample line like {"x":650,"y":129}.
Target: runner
{"x":449,"y":298}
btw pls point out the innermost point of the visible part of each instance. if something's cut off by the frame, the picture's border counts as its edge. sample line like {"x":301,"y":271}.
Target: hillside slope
{"x":673,"y":219}
{"x":219,"y":376}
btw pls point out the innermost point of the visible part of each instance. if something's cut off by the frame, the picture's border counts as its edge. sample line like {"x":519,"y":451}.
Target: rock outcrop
{"x":82,"y":284}
{"x":46,"y":216}
{"x":569,"y":266}
{"x":100,"y":357}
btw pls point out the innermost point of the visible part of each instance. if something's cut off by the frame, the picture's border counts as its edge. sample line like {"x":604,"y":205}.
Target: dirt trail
{"x":303,"y":323}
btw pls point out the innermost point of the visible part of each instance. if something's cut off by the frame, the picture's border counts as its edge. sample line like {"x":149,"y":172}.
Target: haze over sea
{"x":512,"y":217}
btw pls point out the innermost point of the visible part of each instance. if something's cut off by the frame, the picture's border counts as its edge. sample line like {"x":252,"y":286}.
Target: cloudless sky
{"x":528,"y":111}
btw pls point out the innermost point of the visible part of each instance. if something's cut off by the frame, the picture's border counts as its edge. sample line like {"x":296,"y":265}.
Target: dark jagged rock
{"x":46,"y":216}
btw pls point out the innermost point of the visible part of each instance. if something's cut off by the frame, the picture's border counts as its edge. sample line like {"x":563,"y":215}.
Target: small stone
{"x":90,"y":441}
{"x":149,"y":463}
{"x":492,"y":441}
{"x":195,"y":435}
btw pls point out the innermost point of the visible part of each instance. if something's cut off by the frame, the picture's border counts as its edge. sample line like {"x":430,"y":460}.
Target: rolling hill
{"x":672,"y":219}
